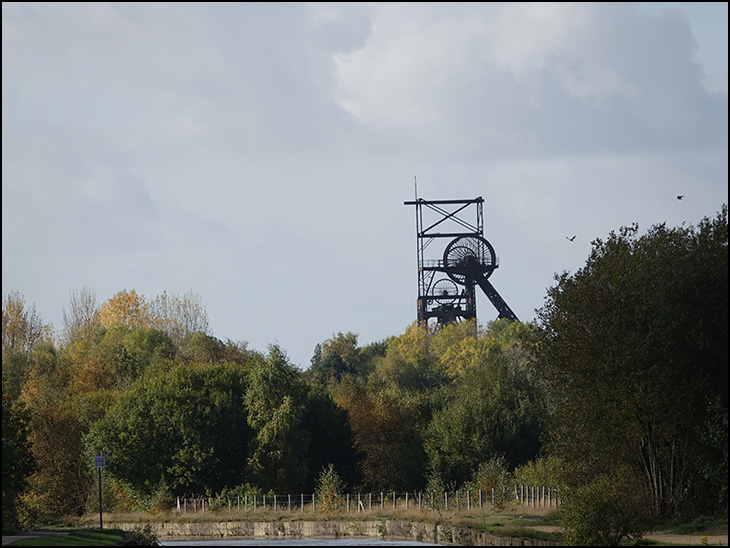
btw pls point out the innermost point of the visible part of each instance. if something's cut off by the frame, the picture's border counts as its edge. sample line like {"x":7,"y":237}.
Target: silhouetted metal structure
{"x":446,"y":285}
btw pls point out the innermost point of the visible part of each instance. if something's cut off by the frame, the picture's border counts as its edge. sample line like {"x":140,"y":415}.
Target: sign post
{"x":99,"y":463}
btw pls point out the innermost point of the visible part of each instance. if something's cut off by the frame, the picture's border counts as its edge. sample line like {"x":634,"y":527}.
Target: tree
{"x":55,"y":424}
{"x":544,"y":470}
{"x":412,"y":360}
{"x":22,"y":325}
{"x":633,"y":347}
{"x":329,"y":490}
{"x":179,"y":317}
{"x":18,"y":461}
{"x":386,"y":426}
{"x":126,"y":308}
{"x":713,"y":437}
{"x":337,"y":356}
{"x":115,"y":357}
{"x":181,"y":431}
{"x":274,"y":401}
{"x":491,"y":411}
{"x":83,"y":317}
{"x":60,"y":482}
{"x":15,"y":366}
{"x":201,"y":348}
{"x":493,"y":476}
{"x":332,"y":440}
{"x":345,"y":346}
{"x":454,"y":344}
{"x":144,"y":348}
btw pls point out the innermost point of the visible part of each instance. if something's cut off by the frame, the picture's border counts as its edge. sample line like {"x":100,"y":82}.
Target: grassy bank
{"x":510,"y":512}
{"x":513,"y":521}
{"x":77,"y":537}
{"x":704,"y":526}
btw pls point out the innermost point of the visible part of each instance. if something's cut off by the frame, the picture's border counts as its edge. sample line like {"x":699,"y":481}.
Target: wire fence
{"x":543,"y":498}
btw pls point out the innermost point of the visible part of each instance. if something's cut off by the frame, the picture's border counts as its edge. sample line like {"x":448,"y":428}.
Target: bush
{"x":605,"y":511}
{"x":329,"y":490}
{"x":141,"y":537}
{"x":492,"y":476}
{"x":547,"y":471}
{"x":435,"y":492}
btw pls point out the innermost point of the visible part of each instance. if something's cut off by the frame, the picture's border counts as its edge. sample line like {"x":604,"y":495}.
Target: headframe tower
{"x":447,"y":283}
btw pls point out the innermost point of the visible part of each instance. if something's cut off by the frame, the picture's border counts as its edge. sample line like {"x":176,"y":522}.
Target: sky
{"x":259,"y":155}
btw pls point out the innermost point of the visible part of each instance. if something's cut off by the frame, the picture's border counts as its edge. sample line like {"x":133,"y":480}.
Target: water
{"x":294,"y":542}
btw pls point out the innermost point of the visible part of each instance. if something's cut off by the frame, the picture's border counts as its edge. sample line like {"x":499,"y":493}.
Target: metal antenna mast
{"x":446,"y":285}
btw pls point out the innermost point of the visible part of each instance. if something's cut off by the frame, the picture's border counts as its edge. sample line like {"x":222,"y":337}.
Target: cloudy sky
{"x":260,"y":154}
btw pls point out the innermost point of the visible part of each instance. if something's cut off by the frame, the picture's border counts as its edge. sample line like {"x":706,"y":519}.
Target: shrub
{"x":605,"y":511}
{"x":547,"y":471}
{"x":492,"y":476}
{"x":142,"y":537}
{"x":329,"y":490}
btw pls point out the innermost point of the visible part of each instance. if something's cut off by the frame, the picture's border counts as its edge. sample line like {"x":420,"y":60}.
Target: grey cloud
{"x":605,"y":78}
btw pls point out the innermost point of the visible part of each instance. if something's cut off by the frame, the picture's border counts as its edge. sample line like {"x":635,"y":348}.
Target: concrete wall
{"x":389,"y":529}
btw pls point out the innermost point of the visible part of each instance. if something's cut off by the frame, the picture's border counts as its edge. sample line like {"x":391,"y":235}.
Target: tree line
{"x":618,"y":387}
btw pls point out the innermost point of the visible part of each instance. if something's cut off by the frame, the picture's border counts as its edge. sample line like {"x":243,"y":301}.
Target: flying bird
{"x":570,"y":239}
{"x":680,"y":196}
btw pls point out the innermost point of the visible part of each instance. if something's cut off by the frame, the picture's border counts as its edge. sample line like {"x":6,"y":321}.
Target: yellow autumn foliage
{"x":126,"y":308}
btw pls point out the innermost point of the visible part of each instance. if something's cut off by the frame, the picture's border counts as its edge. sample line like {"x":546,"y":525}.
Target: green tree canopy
{"x":491,"y":410}
{"x":185,"y":429}
{"x":275,"y":399}
{"x":18,"y":461}
{"x":386,"y":425}
{"x":332,"y":441}
{"x":59,"y":483}
{"x":634,"y":349}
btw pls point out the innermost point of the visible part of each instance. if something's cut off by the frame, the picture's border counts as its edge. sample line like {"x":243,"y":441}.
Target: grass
{"x":77,"y":537}
{"x":704,"y":525}
{"x":511,"y":515}
{"x":508,"y":523}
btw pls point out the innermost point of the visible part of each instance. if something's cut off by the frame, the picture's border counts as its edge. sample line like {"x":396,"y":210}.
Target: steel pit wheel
{"x":446,"y":291}
{"x":469,"y":256}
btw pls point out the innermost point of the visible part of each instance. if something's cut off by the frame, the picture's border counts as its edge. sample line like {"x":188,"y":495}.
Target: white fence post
{"x":531,"y":496}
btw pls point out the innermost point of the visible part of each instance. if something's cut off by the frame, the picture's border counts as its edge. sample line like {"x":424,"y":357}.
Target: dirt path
{"x":688,"y":540}
{"x":658,"y":536}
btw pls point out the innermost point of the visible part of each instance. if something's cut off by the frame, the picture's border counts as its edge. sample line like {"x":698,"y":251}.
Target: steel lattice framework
{"x":446,"y":285}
